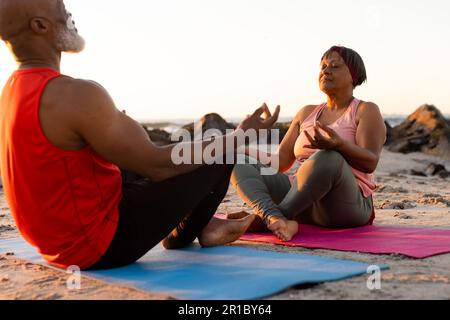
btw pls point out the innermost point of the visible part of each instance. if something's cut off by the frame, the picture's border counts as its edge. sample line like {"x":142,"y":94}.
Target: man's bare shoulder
{"x":68,"y":105}
{"x":77,"y":94}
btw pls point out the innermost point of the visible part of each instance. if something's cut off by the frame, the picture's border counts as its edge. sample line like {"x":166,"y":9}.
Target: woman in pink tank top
{"x":337,"y":145}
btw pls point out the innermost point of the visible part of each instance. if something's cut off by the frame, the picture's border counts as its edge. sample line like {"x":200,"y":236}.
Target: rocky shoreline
{"x":425,"y":130}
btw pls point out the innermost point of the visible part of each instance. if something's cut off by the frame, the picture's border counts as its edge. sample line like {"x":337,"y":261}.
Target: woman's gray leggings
{"x":324,"y":192}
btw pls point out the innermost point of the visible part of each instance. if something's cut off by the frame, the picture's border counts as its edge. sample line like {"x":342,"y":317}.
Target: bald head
{"x":28,"y":23}
{"x":16,"y":15}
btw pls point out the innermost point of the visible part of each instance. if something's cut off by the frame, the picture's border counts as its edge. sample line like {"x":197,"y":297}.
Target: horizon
{"x":187,"y":59}
{"x":235,"y":119}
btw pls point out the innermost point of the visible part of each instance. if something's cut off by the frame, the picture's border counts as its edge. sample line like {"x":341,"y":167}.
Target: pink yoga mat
{"x":412,"y":242}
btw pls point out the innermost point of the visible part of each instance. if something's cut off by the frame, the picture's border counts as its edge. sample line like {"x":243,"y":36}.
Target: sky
{"x":178,"y":59}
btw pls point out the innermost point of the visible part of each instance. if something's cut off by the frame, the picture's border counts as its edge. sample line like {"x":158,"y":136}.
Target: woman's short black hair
{"x":353,"y":61}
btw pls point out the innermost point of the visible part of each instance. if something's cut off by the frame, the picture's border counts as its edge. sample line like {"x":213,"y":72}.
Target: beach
{"x":120,"y":124}
{"x":401,"y":199}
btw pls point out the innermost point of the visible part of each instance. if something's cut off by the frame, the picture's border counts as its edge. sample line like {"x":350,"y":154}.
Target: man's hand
{"x":262,"y":118}
{"x":332,"y":142}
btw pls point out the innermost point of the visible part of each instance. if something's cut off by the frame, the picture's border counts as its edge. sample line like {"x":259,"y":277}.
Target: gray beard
{"x":69,"y":41}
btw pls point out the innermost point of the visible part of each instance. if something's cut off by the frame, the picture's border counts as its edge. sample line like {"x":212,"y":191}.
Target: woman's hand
{"x":332,"y":142}
{"x":262,"y":118}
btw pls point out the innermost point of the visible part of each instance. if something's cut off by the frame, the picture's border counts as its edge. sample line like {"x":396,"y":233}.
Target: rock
{"x":215,"y":121}
{"x":403,"y":205}
{"x":433,"y":169}
{"x":413,"y":172}
{"x":437,"y":200}
{"x":390,"y":189}
{"x":5,"y":228}
{"x":394,"y":174}
{"x":431,"y":195}
{"x":426,"y":130}
{"x":159,"y":137}
{"x":402,"y":215}
{"x":208,"y":122}
{"x":444,"y":174}
{"x":388,"y":133}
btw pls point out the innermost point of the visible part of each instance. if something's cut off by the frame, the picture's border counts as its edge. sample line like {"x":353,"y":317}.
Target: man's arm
{"x":122,"y":141}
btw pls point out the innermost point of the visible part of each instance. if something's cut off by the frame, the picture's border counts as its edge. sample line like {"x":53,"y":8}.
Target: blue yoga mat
{"x":221,"y":273}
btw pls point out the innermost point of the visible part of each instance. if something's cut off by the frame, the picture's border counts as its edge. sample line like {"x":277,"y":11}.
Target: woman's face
{"x":334,"y":75}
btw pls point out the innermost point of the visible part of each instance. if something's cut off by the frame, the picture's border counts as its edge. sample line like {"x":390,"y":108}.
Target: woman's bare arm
{"x":370,"y":139}
{"x":286,"y":149}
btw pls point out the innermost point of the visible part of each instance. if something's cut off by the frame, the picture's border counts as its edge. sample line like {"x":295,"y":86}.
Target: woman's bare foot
{"x":219,"y":232}
{"x":284,"y":229}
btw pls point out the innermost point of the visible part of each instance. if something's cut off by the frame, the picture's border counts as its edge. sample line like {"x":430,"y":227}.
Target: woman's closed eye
{"x":333,"y":66}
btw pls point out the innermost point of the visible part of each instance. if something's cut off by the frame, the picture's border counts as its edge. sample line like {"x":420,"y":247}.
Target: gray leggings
{"x":324,"y":192}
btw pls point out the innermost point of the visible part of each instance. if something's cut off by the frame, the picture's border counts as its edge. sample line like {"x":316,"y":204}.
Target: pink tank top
{"x":346,"y":127}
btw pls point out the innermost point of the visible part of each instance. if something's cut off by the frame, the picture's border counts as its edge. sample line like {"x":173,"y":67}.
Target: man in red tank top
{"x":64,"y":148}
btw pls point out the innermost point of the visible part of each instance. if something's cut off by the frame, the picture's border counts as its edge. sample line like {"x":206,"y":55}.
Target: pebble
{"x":401,"y":215}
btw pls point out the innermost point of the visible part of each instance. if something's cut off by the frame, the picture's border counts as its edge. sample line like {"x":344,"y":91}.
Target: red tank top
{"x":64,"y":203}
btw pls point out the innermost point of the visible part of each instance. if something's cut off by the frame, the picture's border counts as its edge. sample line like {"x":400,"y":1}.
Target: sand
{"x":401,"y":199}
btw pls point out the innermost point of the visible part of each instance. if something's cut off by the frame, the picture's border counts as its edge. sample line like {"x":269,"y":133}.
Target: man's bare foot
{"x":257,"y":225}
{"x":219,"y":232}
{"x":284,"y":229}
{"x":172,"y":242}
